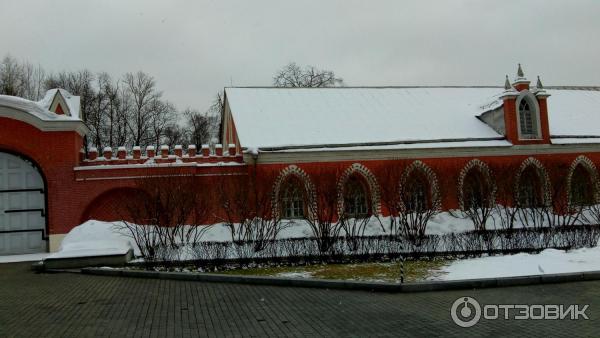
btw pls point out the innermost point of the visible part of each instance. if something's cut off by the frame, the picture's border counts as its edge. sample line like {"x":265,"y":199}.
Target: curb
{"x":353,"y":285}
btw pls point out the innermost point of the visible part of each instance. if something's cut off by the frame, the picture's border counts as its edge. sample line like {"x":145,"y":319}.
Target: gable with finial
{"x":61,"y":102}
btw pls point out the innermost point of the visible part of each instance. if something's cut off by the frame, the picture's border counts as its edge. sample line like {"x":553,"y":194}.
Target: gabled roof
{"x":324,"y":117}
{"x":61,"y":95}
{"x":35,"y":114}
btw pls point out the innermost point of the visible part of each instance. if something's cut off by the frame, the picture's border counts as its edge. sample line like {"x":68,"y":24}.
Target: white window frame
{"x":535,"y":111}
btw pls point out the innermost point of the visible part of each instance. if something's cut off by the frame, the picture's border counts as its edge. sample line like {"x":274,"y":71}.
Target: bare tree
{"x":292,"y":75}
{"x":169,"y":215}
{"x":246,"y":204}
{"x":143,"y":96}
{"x":173,"y":135}
{"x":11,"y":77}
{"x":478,"y":196}
{"x":390,"y":196}
{"x":33,"y":78}
{"x":506,"y":209}
{"x":322,"y":217}
{"x":197,"y":127}
{"x":419,"y":205}
{"x":163,"y":116}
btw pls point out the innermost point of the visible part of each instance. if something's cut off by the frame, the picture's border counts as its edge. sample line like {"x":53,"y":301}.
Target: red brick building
{"x":443,"y":146}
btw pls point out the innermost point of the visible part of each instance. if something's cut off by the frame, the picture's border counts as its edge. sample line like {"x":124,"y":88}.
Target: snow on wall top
{"x":34,"y":108}
{"x":280,"y":117}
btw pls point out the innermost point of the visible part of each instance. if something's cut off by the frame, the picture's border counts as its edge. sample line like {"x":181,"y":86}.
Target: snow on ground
{"x":548,"y":261}
{"x":23,"y":258}
{"x":296,"y":274}
{"x":94,"y":238}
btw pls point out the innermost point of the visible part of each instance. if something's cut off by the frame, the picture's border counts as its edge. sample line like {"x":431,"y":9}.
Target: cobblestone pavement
{"x":73,"y":305}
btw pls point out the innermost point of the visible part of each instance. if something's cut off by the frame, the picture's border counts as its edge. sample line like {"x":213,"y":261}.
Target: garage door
{"x":22,"y":207}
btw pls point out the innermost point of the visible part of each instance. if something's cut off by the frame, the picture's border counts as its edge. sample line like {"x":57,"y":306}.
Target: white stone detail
{"x":309,"y":189}
{"x":591,"y":169}
{"x":484,"y":169}
{"x":543,"y":174}
{"x":374,"y":190}
{"x":434,"y":189}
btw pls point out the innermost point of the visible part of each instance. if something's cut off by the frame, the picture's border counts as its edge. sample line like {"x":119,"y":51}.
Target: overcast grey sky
{"x":194,"y":48}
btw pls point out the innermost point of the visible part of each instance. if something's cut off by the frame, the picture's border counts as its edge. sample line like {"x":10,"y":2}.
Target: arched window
{"x":355,"y":198}
{"x":292,"y":199}
{"x":530,"y":189}
{"x":476,"y":191}
{"x":582,"y":188}
{"x":416,"y":193}
{"x":528,"y":121}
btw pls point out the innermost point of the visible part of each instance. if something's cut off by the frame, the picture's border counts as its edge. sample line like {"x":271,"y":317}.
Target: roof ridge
{"x":593,"y":88}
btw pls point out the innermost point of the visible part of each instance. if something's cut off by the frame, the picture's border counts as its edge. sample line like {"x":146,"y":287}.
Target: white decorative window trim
{"x":374,"y":190}
{"x":475,"y":164}
{"x":307,"y":184}
{"x":434,"y":189}
{"x":591,"y":169}
{"x":543,"y":174}
{"x":535,"y":110}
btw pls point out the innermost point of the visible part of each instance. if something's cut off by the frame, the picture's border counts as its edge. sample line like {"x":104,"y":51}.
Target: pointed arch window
{"x":582,"y":188}
{"x":476,"y":191}
{"x":528,"y":119}
{"x":292,"y":200}
{"x":530,"y":189}
{"x":355,"y":198}
{"x":416,"y":193}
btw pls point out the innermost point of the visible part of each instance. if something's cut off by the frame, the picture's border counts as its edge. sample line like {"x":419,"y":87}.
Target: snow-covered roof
{"x":289,"y":117}
{"x":34,"y":113}
{"x":72,"y":101}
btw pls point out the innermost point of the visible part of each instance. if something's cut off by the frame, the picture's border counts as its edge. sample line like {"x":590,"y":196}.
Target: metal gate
{"x":22,"y":207}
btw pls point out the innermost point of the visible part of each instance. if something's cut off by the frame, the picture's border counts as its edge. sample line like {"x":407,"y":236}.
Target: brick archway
{"x":112,"y":205}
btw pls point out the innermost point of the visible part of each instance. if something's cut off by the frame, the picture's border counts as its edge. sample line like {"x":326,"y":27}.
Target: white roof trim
{"x":31,"y":113}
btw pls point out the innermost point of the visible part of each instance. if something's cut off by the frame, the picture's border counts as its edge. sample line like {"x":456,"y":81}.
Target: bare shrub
{"x":323,"y":219}
{"x":168,"y":217}
{"x":247,"y":208}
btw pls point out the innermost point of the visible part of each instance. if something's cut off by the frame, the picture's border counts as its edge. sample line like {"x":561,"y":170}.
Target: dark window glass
{"x":582,"y":190}
{"x":292,"y":200}
{"x":355,"y":198}
{"x":527,"y":120}
{"x":530,"y":189}
{"x":416,"y":194}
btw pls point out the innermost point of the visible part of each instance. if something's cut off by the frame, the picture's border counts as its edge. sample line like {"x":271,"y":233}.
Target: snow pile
{"x":548,"y":261}
{"x":23,"y":258}
{"x":94,"y":238}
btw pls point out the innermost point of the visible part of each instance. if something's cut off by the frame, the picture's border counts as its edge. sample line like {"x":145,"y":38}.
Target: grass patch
{"x":416,"y":270}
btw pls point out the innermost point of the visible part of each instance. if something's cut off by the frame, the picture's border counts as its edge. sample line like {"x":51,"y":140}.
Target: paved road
{"x":73,"y":305}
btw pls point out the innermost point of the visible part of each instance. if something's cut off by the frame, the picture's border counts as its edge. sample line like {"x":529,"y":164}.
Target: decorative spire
{"x":520,"y":72}
{"x":507,"y":85}
{"x":539,"y":84}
